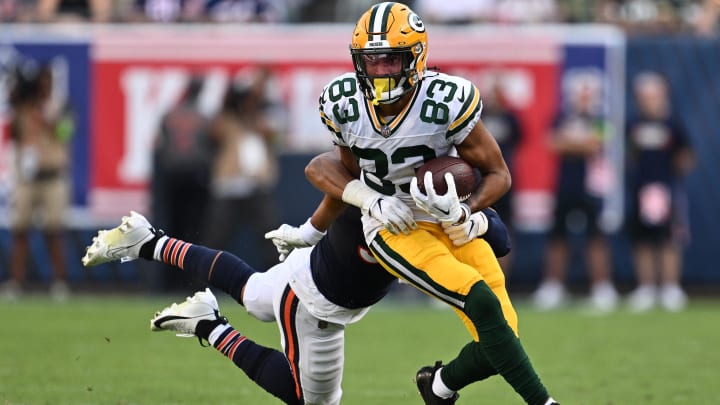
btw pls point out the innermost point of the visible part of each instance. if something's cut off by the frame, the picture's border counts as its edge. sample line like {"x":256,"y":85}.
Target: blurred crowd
{"x":658,"y":159}
{"x":635,"y":16}
{"x":214,"y":172}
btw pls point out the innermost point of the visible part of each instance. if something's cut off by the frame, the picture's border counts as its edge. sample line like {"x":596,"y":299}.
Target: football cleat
{"x":183,"y":318}
{"x":120,"y":243}
{"x":424,"y":379}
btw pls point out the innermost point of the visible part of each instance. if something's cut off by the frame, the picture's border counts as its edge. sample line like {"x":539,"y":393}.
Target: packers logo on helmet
{"x":389,"y":51}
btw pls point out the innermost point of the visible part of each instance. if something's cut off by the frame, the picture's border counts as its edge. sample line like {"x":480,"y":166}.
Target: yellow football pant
{"x":427,"y":259}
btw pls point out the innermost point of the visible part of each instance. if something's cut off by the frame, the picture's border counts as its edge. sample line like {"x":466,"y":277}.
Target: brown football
{"x":463,"y":174}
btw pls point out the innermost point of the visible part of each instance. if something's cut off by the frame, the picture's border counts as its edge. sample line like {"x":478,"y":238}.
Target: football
{"x":462,"y":171}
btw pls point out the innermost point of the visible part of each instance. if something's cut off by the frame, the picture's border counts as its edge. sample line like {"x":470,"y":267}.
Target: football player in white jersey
{"x":388,"y":118}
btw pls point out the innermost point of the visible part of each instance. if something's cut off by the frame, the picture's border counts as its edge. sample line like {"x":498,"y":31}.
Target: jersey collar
{"x":385,"y":129}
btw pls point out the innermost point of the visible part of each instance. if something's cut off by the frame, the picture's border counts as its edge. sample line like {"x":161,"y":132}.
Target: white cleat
{"x":121,"y":243}
{"x":183,"y":318}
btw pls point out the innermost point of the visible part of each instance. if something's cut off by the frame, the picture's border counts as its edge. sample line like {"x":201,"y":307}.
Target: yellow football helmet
{"x":389,"y":30}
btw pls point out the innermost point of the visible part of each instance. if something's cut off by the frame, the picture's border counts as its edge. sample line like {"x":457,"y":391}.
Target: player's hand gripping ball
{"x":440,"y":196}
{"x":462,"y":172}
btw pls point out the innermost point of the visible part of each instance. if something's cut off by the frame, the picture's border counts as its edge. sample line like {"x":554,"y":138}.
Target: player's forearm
{"x":326,"y":212}
{"x":493,"y":186}
{"x":328,"y":174}
{"x":483,"y":152}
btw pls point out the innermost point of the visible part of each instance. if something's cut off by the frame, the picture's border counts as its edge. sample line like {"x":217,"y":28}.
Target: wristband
{"x":466,"y":214}
{"x":309,"y":233}
{"x":358,"y":193}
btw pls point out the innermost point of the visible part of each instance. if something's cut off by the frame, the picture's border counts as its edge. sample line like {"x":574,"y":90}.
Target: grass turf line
{"x":99,"y":350}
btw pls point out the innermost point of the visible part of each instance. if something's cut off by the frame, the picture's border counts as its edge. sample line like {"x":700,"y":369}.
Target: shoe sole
{"x":156,"y":325}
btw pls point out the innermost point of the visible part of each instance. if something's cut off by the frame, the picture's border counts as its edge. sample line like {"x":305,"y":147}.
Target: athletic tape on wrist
{"x":359,"y":194}
{"x":309,"y":233}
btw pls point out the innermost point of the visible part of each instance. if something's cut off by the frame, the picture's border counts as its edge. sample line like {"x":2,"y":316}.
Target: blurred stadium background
{"x":120,"y":80}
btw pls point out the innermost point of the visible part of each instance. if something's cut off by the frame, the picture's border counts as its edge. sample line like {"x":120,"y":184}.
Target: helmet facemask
{"x":388,"y":85}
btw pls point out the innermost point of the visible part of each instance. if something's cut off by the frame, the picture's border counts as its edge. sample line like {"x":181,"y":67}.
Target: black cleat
{"x":424,"y":380}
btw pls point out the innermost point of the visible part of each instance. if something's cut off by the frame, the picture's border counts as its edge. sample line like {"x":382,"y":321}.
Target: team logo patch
{"x":415,"y":22}
{"x":366,"y":256}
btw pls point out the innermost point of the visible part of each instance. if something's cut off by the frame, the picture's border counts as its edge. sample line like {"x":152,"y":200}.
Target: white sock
{"x":157,"y":253}
{"x":215,"y":334}
{"x":439,"y":387}
{"x":550,"y":401}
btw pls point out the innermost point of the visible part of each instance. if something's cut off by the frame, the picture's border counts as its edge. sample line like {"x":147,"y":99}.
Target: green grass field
{"x":99,"y":350}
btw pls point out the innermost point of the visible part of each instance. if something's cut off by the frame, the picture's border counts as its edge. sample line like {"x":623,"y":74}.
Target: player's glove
{"x":394,"y":214}
{"x":391,"y":211}
{"x":287,"y":237}
{"x":476,"y":225}
{"x":444,"y":208}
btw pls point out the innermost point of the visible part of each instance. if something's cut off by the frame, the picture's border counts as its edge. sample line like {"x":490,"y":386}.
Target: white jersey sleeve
{"x":467,"y":110}
{"x":338,"y":104}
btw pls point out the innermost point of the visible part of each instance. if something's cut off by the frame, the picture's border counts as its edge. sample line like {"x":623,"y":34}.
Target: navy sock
{"x":267,"y":367}
{"x":218,"y":268}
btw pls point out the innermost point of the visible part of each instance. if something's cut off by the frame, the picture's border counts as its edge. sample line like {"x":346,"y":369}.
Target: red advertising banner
{"x":139,"y":74}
